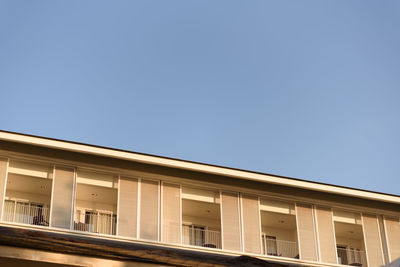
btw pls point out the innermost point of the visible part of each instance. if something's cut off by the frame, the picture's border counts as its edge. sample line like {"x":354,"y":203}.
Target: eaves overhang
{"x":195,"y":166}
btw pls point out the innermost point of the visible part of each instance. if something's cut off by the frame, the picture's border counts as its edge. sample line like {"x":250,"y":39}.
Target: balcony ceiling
{"x":29,"y":184}
{"x":278,"y":220}
{"x":348,"y":230}
{"x":200,"y":209}
{"x":96,"y":194}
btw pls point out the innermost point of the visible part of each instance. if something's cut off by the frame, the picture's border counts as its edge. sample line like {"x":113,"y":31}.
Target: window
{"x":201,"y":218}
{"x":28,"y":193}
{"x":96,"y":203}
{"x":349,"y":238}
{"x":278,"y":223}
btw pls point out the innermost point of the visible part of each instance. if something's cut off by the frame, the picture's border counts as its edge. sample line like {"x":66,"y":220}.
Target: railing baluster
{"x":196,"y":236}
{"x":351,"y":256}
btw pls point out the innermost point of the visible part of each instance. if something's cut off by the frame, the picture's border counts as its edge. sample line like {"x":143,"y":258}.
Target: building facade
{"x":77,"y":189}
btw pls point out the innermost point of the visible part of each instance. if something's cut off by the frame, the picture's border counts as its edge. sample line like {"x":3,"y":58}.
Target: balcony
{"x":279,"y":230}
{"x":281,"y":248}
{"x":95,"y":222}
{"x":25,"y":212}
{"x":199,"y":236}
{"x":96,"y":203}
{"x":28,"y":193}
{"x":351,"y":256}
{"x":201,"y":218}
{"x":349,"y":238}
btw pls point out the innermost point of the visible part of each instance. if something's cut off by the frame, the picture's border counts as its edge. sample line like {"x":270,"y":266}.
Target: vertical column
{"x":63,"y":196}
{"x":3,"y":174}
{"x":392,"y":229}
{"x":251,"y":224}
{"x":230,"y":221}
{"x":384,"y":243}
{"x":326,"y":235}
{"x":372,"y":240}
{"x":171,"y":213}
{"x":306,"y":233}
{"x":148,"y":210}
{"x":127,"y":210}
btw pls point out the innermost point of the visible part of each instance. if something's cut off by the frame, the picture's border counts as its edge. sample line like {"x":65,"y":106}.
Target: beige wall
{"x":392,"y":229}
{"x":128,"y":207}
{"x":63,"y":195}
{"x":326,"y":234}
{"x":306,"y":232}
{"x":373,"y":240}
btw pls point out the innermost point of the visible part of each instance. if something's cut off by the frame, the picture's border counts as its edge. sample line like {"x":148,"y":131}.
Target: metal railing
{"x":199,"y":236}
{"x":25,"y":212}
{"x":96,"y":222}
{"x":352,"y":256}
{"x":281,"y":248}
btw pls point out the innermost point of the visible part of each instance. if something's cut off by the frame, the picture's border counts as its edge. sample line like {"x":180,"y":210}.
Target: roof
{"x":195,"y":166}
{"x":46,"y":240}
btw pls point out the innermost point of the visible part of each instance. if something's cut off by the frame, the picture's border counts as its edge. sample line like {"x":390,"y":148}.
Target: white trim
{"x":259,"y":225}
{"x":221,"y":221}
{"x":4,"y":189}
{"x":118,"y":199}
{"x":316,"y":239}
{"x":52,"y":195}
{"x":158,"y":210}
{"x":298,"y":232}
{"x":387,"y":240}
{"x":384,"y":241}
{"x":380,"y":239}
{"x":180,"y":214}
{"x":240,"y":174}
{"x":73,"y":200}
{"x":138,"y":208}
{"x":240,"y":221}
{"x":161,"y":212}
{"x":334,"y":236}
{"x":364,"y":238}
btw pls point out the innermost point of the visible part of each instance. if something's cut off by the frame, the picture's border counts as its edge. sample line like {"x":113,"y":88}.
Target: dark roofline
{"x":196,"y":162}
{"x":42,"y":239}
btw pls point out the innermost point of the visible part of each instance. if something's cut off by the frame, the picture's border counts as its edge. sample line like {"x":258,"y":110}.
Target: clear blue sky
{"x":307,"y":89}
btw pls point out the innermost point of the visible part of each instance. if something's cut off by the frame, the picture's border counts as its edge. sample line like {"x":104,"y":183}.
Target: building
{"x":66,"y":204}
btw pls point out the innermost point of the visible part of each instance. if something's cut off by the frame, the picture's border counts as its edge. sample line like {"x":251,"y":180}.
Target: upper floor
{"x":84,"y":192}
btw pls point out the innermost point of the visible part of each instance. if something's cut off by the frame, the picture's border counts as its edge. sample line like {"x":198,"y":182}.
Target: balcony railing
{"x":281,"y":248}
{"x":25,"y":212}
{"x":96,"y":222}
{"x":201,"y":237}
{"x":352,"y":257}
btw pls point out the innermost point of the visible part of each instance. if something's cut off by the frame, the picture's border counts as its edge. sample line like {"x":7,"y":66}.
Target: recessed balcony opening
{"x":279,"y":234}
{"x":349,"y":239}
{"x":96,"y":203}
{"x":28,"y":193}
{"x":201,"y":218}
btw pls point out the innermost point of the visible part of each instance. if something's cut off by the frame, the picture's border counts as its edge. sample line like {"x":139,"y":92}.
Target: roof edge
{"x":194,"y":166}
